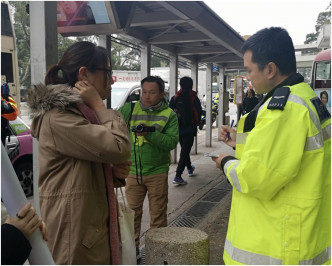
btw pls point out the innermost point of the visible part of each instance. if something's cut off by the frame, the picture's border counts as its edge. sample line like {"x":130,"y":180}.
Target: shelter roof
{"x":187,"y":28}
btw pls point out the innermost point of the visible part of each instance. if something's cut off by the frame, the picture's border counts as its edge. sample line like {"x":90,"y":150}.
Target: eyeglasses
{"x":109,"y":72}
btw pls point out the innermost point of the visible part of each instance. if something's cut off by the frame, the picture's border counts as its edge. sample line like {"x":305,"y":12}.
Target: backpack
{"x":184,"y":110}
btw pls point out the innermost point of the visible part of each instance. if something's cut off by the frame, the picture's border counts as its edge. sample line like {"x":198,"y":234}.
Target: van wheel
{"x":24,"y":172}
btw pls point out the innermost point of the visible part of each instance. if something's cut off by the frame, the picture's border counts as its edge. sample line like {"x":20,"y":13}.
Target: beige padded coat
{"x":72,"y":190}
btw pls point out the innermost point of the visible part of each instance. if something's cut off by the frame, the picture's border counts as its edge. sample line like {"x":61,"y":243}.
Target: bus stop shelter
{"x":185,"y":30}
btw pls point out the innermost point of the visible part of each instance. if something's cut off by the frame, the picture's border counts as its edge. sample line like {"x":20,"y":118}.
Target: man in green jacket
{"x":154,"y":133}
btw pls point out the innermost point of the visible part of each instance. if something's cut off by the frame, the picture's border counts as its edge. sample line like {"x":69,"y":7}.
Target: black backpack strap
{"x":131,"y":113}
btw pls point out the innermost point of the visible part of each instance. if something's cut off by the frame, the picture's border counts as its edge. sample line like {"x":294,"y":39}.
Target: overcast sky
{"x":298,"y":17}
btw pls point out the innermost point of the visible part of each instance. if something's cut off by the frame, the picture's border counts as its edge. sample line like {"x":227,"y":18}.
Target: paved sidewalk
{"x":182,"y":198}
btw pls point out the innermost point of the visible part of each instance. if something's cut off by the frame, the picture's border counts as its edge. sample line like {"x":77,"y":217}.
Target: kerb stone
{"x":176,"y":246}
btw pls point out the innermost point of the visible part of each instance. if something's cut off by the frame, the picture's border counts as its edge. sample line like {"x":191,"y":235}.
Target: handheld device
{"x":141,"y":128}
{"x":228,"y":134}
{"x":211,"y":155}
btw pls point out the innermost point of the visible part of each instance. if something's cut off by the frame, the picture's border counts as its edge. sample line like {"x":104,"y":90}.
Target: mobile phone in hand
{"x":211,"y":155}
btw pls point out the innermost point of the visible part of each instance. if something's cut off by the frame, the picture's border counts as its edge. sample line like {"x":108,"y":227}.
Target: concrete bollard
{"x":176,"y":246}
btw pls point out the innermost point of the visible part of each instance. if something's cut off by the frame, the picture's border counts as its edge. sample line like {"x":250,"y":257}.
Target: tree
{"x":125,"y":54}
{"x":323,"y":18}
{"x":22,"y":32}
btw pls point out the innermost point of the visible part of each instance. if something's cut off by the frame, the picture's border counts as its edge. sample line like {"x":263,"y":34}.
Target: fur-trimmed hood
{"x":42,"y":98}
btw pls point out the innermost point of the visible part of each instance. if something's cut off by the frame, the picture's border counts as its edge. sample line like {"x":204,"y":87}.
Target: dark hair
{"x":253,"y":92}
{"x":160,"y":82}
{"x":324,"y":93}
{"x":186,"y":83}
{"x":77,"y":55}
{"x":272,"y":45}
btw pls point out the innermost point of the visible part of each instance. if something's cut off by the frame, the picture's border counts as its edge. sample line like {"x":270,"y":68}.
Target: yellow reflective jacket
{"x":281,"y":178}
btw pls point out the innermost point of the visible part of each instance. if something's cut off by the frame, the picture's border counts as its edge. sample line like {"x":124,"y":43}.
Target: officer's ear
{"x":271,"y":70}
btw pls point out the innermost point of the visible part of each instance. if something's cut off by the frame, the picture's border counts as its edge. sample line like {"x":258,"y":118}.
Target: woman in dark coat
{"x":249,"y":102}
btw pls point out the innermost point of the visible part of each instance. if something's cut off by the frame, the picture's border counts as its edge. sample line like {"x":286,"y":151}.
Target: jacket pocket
{"x":91,"y":236}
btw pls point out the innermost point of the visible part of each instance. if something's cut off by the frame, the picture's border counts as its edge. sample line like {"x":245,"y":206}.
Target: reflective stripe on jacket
{"x":281,"y":205}
{"x":158,"y":120}
{"x":153,"y":154}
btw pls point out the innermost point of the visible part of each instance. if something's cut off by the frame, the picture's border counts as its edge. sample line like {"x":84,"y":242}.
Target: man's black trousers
{"x":186,"y":142}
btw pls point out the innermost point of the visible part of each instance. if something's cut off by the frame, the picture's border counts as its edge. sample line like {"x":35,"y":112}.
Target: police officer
{"x":281,"y":172}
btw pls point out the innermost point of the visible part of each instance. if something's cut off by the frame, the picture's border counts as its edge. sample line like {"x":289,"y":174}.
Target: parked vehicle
{"x":123,"y":92}
{"x":321,"y":75}
{"x":19,"y":149}
{"x":9,"y":61}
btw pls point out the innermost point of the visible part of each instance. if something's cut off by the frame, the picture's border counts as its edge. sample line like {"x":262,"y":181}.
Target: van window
{"x":7,"y":66}
{"x":323,"y":75}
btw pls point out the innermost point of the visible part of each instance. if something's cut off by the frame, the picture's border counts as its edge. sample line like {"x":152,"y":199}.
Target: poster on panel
{"x":238,"y":92}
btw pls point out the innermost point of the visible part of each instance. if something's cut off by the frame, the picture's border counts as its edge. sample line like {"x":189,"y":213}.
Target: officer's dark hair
{"x":76,"y":56}
{"x":160,"y":82}
{"x":272,"y":45}
{"x":186,"y":83}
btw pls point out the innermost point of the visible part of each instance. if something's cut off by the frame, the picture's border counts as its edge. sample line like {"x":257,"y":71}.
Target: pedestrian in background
{"x":249,"y":101}
{"x":82,"y":146}
{"x":8,"y":111}
{"x":281,"y":172}
{"x":188,"y":108}
{"x":155,"y":134}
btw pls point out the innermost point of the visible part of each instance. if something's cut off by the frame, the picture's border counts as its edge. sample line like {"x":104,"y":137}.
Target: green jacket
{"x":154,"y":152}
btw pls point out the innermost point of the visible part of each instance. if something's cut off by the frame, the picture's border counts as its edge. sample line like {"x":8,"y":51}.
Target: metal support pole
{"x":14,"y":199}
{"x":145,"y":60}
{"x":222,"y":92}
{"x":194,"y":76}
{"x":208,"y":131}
{"x":105,"y":41}
{"x":44,"y":52}
{"x":173,"y":88}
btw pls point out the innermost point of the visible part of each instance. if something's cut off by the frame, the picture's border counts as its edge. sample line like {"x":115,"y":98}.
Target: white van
{"x":123,"y":92}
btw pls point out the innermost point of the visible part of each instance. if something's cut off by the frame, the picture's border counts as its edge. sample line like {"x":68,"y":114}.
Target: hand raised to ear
{"x":89,"y":95}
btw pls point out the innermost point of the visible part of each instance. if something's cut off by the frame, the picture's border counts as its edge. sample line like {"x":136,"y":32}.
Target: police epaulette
{"x":279,"y":98}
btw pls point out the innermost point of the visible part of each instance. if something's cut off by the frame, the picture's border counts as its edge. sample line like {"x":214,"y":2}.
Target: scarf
{"x":112,"y":200}
{"x":151,"y":108}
